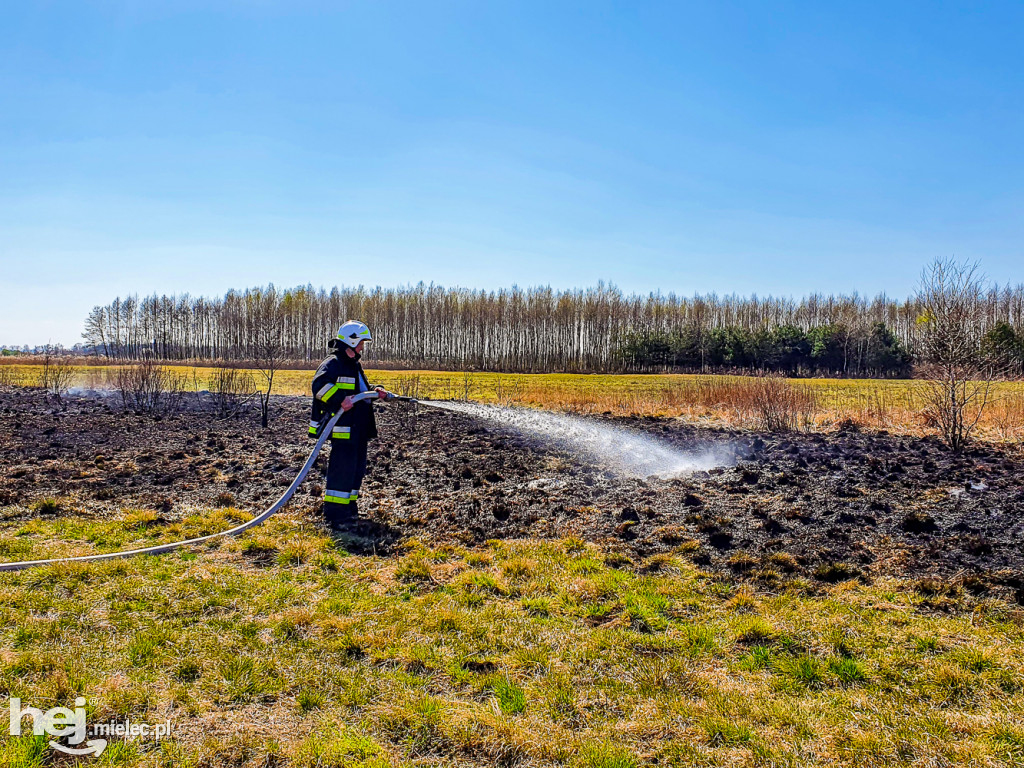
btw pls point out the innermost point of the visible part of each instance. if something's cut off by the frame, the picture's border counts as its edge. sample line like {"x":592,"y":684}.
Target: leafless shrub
{"x":266,"y":344}
{"x":450,"y":388}
{"x":459,"y":387}
{"x":779,"y":406}
{"x":230,"y":389}
{"x":148,"y":387}
{"x":508,"y":393}
{"x":959,"y":381}
{"x":408,"y":386}
{"x":57,"y":372}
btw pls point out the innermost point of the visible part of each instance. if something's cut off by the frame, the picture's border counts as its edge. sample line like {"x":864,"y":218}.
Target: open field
{"x":848,"y":598}
{"x":892,"y":404}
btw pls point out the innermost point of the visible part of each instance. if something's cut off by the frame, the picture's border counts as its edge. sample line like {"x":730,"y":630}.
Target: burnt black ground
{"x":823,"y":507}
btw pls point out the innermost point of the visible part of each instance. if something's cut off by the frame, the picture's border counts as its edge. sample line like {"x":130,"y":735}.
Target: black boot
{"x":335,"y":515}
{"x":345,"y":517}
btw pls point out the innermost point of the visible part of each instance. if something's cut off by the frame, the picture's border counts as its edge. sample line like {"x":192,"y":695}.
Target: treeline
{"x":538,"y":329}
{"x":825,"y":349}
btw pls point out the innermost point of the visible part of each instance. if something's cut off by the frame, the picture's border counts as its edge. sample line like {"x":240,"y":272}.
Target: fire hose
{"x":274,"y":508}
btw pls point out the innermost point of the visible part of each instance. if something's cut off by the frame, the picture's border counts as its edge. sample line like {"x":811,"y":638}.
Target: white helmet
{"x":352,"y":332}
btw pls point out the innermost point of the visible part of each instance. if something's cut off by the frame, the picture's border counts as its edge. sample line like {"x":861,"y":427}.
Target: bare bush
{"x":779,"y":406}
{"x":407,"y":386}
{"x":230,"y":389}
{"x":148,"y":387}
{"x":508,"y":393}
{"x":266,"y":344}
{"x":959,"y":380}
{"x":57,"y":372}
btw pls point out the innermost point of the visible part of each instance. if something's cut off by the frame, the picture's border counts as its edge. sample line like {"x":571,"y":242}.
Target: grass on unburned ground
{"x":280,"y":649}
{"x":898,"y":405}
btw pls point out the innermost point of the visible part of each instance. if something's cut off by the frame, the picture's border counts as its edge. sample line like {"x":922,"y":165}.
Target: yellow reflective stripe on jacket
{"x":329,"y":389}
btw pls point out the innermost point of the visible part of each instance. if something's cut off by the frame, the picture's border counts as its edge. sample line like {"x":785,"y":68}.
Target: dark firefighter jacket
{"x":338,"y":377}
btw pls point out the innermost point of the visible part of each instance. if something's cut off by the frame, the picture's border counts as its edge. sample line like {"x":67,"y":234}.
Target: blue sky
{"x":691,"y":147}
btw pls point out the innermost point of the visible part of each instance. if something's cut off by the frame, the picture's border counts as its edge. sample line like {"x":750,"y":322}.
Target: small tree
{"x":57,"y":372}
{"x":266,"y":344}
{"x":959,"y":379}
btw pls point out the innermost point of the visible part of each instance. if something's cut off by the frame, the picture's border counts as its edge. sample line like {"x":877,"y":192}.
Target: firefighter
{"x":339,"y":377}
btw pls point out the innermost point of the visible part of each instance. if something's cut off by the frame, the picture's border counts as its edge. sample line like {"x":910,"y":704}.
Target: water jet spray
{"x":618,"y":449}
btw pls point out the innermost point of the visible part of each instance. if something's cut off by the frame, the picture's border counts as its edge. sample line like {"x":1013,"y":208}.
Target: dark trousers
{"x":346,"y":466}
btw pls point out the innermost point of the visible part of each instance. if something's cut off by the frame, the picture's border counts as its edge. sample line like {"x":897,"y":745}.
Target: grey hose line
{"x":159,"y":548}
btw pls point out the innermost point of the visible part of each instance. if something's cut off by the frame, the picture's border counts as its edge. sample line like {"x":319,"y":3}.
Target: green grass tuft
{"x":847,"y":671}
{"x":721,"y":731}
{"x":511,"y":698}
{"x":606,"y":756}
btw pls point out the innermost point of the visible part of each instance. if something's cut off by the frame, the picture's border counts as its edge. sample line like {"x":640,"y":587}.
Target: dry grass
{"x":896,"y":405}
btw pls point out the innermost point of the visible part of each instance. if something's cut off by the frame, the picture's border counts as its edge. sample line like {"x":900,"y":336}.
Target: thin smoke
{"x":620,"y":450}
